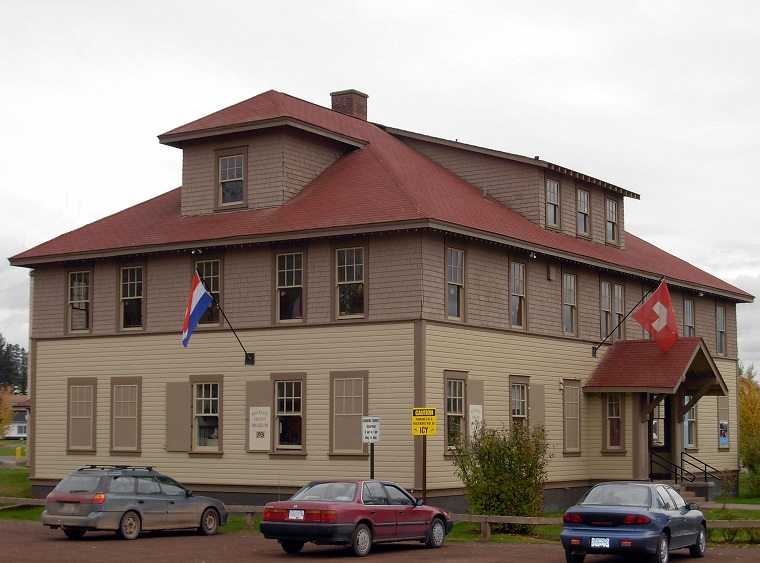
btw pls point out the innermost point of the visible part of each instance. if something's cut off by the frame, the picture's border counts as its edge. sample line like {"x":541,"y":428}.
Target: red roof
{"x":384,"y":183}
{"x":642,"y":366}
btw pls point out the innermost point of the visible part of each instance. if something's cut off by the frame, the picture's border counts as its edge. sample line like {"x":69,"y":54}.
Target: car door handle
{"x":140,"y":502}
{"x":171,"y":502}
{"x":373,"y":511}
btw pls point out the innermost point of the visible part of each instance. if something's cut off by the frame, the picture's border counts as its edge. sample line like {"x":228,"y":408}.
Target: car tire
{"x":436,"y":534}
{"x":291,"y":547}
{"x":209,"y":522}
{"x":699,"y":548}
{"x":130,"y":526}
{"x":74,"y":533}
{"x":571,"y":557}
{"x":662,"y":554}
{"x":361,"y":540}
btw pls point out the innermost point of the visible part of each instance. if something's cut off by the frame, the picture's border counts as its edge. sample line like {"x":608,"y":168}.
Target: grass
{"x":8,"y":447}
{"x":747,"y":495}
{"x":14,"y":482}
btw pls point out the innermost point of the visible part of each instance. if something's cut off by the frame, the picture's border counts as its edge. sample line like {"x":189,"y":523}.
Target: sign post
{"x":423,"y":424}
{"x":371,"y":435}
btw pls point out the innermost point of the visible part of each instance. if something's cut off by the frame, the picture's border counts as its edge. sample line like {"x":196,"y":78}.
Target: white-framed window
{"x":22,"y":429}
{"x":517,"y":294}
{"x":614,"y":421}
{"x":206,"y":412}
{"x":290,"y":286}
{"x":79,"y":301}
{"x":454,"y":283}
{"x":571,"y":390}
{"x":455,"y":415}
{"x":612,"y":230}
{"x":131,"y":295}
{"x":569,"y":304}
{"x":211,"y":274}
{"x":619,"y":304}
{"x":518,"y":395}
{"x":688,"y":318}
{"x":289,"y":414}
{"x":605,"y":307}
{"x":690,"y":425}
{"x":583,"y":224}
{"x":231,"y":186}
{"x":552,"y":203}
{"x":720,"y":330}
{"x":350,"y":279}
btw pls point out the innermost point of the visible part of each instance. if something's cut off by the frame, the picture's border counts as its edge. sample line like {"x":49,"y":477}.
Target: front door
{"x":151,"y":502}
{"x":381,"y":512}
{"x":410,"y":522}
{"x":660,"y":440}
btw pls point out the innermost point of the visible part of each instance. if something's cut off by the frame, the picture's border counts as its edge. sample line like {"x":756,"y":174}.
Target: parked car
{"x":354,"y":513}
{"x":637,"y":517}
{"x":127,"y":500}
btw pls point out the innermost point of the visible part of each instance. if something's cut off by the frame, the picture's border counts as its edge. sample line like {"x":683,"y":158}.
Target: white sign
{"x":259,"y":421}
{"x":370,"y":429}
{"x":476,"y":418}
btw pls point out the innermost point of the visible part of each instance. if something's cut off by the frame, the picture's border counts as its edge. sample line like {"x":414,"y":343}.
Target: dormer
{"x":261,"y":152}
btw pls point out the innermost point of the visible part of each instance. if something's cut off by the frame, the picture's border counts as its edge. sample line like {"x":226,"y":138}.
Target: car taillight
{"x":636,"y":519}
{"x":321,"y":516}
{"x":275,"y":514}
{"x":98,"y":498}
{"x":572,"y":517}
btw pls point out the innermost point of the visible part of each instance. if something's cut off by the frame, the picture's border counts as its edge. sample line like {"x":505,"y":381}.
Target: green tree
{"x":13,"y":365}
{"x":749,"y":424}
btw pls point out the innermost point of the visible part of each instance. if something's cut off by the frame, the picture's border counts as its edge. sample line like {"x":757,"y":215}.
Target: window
{"x":517,"y":294}
{"x":569,"y":304}
{"x":79,"y":301}
{"x":619,"y":304}
{"x":350,"y":276}
{"x":720,"y":330}
{"x":612,"y":222}
{"x":571,"y":390}
{"x":349,"y":405}
{"x":125,"y":414}
{"x":21,"y":429}
{"x":583,"y":226}
{"x":518,"y":393}
{"x":397,"y":497}
{"x":170,"y":487}
{"x":690,"y":425}
{"x":455,"y":417}
{"x":454,"y":282}
{"x":659,"y":431}
{"x":723,"y":441}
{"x":231,"y":184}
{"x":147,"y":485}
{"x":206,"y":411}
{"x":210,"y":272}
{"x":614,"y":421}
{"x":290,"y":286}
{"x":131,"y":297}
{"x":289,"y":414}
{"x":688,"y":318}
{"x":605,"y":306}
{"x":552,"y":203}
{"x":81,"y":415}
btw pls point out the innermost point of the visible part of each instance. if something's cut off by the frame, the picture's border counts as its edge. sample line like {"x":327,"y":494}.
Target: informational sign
{"x":423,"y":421}
{"x":476,"y":418}
{"x":370,"y":429}
{"x":259,"y":430}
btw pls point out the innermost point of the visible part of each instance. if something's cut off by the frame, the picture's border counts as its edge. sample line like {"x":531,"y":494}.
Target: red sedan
{"x":354,"y":513}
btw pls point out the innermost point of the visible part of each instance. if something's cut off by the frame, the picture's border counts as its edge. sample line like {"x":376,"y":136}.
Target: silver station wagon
{"x":127,"y":500}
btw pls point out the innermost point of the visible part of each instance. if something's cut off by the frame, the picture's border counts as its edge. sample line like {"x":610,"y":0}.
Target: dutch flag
{"x":197,"y":304}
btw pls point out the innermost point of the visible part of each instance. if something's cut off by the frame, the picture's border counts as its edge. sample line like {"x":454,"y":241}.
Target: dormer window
{"x":613,"y":235}
{"x":231,"y":179}
{"x":552,"y":203}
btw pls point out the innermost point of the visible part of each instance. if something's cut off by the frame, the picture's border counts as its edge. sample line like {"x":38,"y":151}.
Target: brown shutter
{"x":178,"y":417}
{"x":258,"y":394}
{"x":536,"y":414}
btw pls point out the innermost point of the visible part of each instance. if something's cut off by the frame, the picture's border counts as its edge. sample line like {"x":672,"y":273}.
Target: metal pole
{"x":424,"y":468}
{"x":372,"y":460}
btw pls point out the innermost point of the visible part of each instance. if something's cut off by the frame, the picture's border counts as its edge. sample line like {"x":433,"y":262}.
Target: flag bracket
{"x":249,"y":358}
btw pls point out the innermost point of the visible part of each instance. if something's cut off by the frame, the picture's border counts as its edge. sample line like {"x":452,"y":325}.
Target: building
{"x":17,"y":429}
{"x":370,"y":270}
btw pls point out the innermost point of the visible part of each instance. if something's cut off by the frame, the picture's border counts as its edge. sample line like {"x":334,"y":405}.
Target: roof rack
{"x":120,"y":467}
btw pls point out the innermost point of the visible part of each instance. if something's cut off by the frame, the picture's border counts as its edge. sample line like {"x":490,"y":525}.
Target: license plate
{"x":295,"y":515}
{"x":69,"y":508}
{"x":600,"y":542}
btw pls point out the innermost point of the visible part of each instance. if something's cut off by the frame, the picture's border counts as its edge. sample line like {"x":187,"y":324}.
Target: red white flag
{"x":658,"y":318}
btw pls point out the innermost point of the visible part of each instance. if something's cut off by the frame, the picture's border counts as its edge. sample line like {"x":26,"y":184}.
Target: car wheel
{"x":130,"y":525}
{"x":699,"y":548}
{"x":292,"y":546}
{"x":74,"y":533}
{"x":571,"y":557}
{"x":662,"y":555}
{"x":209,"y":522}
{"x":437,"y":533}
{"x":361,"y":542}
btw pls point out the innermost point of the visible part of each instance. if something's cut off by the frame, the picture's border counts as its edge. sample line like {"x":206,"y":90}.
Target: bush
{"x":504,"y":471}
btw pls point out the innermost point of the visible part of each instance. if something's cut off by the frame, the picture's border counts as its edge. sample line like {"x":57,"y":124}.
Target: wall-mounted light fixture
{"x":701,"y":293}
{"x":532,"y":254}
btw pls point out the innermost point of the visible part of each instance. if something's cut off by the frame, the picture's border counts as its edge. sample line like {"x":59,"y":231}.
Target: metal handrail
{"x":675,"y":469}
{"x":702,"y":466}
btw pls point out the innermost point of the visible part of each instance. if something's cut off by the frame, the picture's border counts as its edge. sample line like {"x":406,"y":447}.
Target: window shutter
{"x":178,"y":420}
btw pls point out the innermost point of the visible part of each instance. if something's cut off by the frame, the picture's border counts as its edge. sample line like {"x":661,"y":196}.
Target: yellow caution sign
{"x":423,"y":421}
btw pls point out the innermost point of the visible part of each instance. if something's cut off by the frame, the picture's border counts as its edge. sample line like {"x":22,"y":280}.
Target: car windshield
{"x":613,"y":494}
{"x":336,"y":492}
{"x":79,"y":484}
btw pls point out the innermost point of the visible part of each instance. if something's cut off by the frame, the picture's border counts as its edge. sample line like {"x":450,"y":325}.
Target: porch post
{"x":640,"y":431}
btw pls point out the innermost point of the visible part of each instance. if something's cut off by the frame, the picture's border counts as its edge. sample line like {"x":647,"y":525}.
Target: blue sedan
{"x":636,"y":517}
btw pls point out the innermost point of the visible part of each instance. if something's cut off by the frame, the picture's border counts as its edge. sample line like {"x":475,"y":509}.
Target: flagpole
{"x":249,"y":357}
{"x":595,"y":348}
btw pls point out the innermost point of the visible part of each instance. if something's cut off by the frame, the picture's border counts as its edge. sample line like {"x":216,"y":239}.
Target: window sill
{"x":80,"y":452}
{"x":286,"y":453}
{"x":350,"y":317}
{"x":620,"y":452}
{"x":571,"y":454}
{"x":130,"y":453}
{"x":205,"y":454}
{"x":334,"y":455}
{"x":231,"y":206}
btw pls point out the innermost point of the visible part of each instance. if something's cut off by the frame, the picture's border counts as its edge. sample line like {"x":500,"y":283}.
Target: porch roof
{"x":640,"y":366}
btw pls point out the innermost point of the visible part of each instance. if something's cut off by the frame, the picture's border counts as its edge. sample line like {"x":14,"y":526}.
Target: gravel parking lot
{"x":30,"y":541}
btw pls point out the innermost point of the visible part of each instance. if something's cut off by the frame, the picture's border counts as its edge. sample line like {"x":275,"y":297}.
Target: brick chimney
{"x":350,"y":102}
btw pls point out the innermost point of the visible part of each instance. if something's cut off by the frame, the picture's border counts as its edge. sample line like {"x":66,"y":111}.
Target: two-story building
{"x":370,"y":270}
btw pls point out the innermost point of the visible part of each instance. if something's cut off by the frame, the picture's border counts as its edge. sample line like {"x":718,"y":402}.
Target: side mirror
{"x":693,"y":506}
{"x":418,"y":502}
{"x":188,"y":493}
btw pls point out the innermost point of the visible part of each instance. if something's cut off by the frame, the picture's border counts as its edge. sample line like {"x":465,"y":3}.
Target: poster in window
{"x":723,"y":434}
{"x":476,"y":418}
{"x":259,"y":430}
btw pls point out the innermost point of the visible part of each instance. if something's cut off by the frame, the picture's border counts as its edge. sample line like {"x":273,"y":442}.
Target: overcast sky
{"x":661,"y":98}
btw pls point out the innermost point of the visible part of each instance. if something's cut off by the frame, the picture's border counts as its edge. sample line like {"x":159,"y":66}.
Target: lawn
{"x":14,"y":482}
{"x":8,"y":447}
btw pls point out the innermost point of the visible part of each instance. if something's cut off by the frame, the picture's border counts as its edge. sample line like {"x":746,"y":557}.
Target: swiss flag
{"x":658,"y":319}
